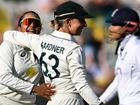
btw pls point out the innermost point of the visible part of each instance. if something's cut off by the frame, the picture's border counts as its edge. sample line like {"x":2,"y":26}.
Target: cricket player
{"x":61,"y":58}
{"x":20,"y":71}
{"x":124,"y":28}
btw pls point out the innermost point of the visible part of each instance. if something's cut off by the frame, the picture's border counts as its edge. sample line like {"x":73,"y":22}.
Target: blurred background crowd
{"x":99,"y":50}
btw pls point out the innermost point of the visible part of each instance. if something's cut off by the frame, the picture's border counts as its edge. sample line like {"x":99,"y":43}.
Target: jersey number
{"x":43,"y":63}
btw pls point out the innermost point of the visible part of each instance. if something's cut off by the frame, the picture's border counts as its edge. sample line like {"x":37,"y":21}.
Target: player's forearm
{"x":9,"y":80}
{"x":16,"y":37}
{"x":89,"y":96}
{"x":22,"y":38}
{"x":110,"y":92}
{"x":81,"y":84}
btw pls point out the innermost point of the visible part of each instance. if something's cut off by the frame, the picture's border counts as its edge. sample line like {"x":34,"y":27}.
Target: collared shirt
{"x":62,"y":61}
{"x":127,"y":71}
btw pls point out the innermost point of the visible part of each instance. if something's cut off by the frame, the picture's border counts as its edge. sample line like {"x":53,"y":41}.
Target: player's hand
{"x":45,"y":90}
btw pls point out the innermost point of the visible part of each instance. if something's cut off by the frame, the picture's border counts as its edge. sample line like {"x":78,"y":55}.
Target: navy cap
{"x":123,"y":15}
{"x":70,"y":10}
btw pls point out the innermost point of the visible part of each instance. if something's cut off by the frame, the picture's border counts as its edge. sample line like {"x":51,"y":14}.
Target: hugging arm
{"x":9,"y":76}
{"x":22,"y":38}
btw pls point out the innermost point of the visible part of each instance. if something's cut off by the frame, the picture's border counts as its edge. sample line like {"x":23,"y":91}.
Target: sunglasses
{"x":29,"y":21}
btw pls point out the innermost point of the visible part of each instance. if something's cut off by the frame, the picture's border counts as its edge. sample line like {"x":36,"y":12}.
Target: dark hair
{"x":22,"y":16}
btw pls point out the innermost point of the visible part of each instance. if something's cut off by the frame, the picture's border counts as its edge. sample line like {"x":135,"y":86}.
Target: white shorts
{"x":66,"y":99}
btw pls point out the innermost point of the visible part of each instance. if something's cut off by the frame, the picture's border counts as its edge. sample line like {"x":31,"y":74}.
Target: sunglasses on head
{"x":29,"y":21}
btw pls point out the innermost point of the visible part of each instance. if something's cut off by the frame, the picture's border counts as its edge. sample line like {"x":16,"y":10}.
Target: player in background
{"x":124,"y":28}
{"x":61,"y":58}
{"x":20,"y":71}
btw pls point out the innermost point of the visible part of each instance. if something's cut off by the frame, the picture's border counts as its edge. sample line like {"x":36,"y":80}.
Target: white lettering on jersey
{"x":52,"y":47}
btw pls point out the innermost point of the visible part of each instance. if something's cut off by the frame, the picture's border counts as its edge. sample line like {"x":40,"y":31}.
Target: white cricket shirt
{"x":19,"y":72}
{"x":127,"y":71}
{"x":61,"y":59}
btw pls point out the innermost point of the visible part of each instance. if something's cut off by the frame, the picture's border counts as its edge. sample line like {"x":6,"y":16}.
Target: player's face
{"x":76,"y":25}
{"x":116,"y":32}
{"x":30,"y":23}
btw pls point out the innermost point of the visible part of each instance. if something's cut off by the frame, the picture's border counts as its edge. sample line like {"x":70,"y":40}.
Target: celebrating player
{"x":61,"y":58}
{"x":20,"y":71}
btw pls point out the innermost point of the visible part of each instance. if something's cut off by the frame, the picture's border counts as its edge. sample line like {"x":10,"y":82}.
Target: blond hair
{"x":56,"y":24}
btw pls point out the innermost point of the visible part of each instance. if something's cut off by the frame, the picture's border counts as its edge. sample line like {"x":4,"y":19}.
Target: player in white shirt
{"x":20,"y":71}
{"x":61,"y":58}
{"x":124,"y":28}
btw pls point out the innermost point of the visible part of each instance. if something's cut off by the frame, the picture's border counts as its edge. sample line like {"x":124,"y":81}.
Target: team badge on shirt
{"x":32,"y":71}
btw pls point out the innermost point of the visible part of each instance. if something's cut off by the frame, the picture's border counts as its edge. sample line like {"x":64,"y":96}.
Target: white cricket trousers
{"x":66,"y":99}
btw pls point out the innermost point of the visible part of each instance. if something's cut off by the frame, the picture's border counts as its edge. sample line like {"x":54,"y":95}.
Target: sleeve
{"x":8,"y":76}
{"x":78,"y":75}
{"x":135,"y":53}
{"x":110,"y":92}
{"x":24,"y":39}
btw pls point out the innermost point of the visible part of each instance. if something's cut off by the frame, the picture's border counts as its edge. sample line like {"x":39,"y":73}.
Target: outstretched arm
{"x":79,"y":78}
{"x":110,"y":92}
